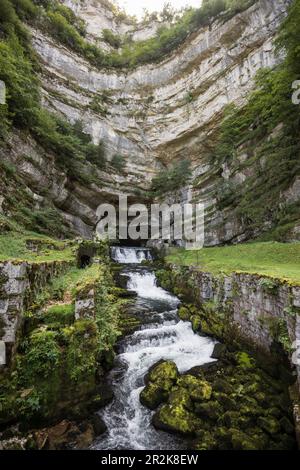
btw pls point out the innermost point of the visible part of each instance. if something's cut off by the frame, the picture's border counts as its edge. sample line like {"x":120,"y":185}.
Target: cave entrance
{"x":84,"y":261}
{"x":85,"y":255}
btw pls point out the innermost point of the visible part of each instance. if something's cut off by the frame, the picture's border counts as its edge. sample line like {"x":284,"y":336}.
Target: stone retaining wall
{"x":20,"y":282}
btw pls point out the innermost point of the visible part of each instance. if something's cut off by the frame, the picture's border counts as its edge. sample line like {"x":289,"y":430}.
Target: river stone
{"x":163,"y":373}
{"x":152,"y":396}
{"x":198,"y":389}
{"x":219,"y":351}
{"x":98,"y":424}
{"x":176,"y":419}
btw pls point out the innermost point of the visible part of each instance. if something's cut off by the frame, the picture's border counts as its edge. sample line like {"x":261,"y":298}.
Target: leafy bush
{"x":171,"y":179}
{"x":275,"y":156}
{"x":118,"y":162}
{"x":111,"y":38}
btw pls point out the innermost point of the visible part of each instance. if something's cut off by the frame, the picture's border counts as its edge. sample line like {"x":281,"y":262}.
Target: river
{"x":162,"y":336}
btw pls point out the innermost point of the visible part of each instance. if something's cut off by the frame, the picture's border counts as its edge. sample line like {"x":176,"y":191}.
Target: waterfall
{"x":145,"y":285}
{"x":130,"y":255}
{"x":161,"y":336}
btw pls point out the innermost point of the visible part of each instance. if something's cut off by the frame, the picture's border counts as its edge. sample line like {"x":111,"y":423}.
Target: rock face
{"x":260,"y":310}
{"x":153,"y":115}
{"x":19,"y":283}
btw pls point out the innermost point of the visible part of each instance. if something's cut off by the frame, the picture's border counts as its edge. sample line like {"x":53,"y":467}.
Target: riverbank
{"x":249,"y":311}
{"x":270,"y":259}
{"x":58,"y":348}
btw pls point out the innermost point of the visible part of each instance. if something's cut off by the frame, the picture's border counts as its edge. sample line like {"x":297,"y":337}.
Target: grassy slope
{"x":13,"y":247}
{"x":278,"y":260}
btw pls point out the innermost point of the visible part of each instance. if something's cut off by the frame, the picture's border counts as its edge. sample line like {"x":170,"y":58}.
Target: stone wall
{"x":263,"y":310}
{"x":20,"y":282}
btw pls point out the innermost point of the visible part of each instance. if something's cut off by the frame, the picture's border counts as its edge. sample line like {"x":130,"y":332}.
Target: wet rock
{"x":98,"y":424}
{"x":164,"y":373}
{"x":219,"y":351}
{"x":159,"y":382}
{"x":221,"y":385}
{"x":269,"y":424}
{"x":184,"y":313}
{"x":241,"y":441}
{"x":208,"y":410}
{"x":198,"y":389}
{"x":65,"y":435}
{"x":175,"y":419}
{"x":206,"y":442}
{"x":196,"y":323}
{"x":153,"y":395}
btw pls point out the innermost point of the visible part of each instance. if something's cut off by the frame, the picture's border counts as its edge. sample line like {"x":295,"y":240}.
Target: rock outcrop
{"x":152,"y":115}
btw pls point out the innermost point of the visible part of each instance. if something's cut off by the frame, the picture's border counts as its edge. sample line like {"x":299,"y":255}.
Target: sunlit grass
{"x":13,"y":246}
{"x":278,"y":260}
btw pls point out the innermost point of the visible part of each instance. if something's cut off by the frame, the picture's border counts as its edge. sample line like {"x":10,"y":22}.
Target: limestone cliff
{"x":153,"y":115}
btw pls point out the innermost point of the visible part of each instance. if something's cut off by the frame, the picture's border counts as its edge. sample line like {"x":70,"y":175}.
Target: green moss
{"x":82,"y":340}
{"x":61,"y":314}
{"x":183,"y":313}
{"x":270,"y":259}
{"x":269,"y":424}
{"x":199,"y":390}
{"x":242,"y":441}
{"x":176,"y":418}
{"x":153,"y":395}
{"x":164,"y":374}
{"x":244,"y":360}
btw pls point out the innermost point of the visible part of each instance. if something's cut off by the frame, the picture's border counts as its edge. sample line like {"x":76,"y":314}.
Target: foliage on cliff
{"x":60,"y":22}
{"x":266,"y":131}
{"x":18,"y":70}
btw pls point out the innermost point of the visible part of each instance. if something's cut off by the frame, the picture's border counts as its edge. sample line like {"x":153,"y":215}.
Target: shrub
{"x":171,"y":179}
{"x":111,"y":38}
{"x":118,"y":162}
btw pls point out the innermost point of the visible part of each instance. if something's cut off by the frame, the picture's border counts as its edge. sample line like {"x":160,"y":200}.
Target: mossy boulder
{"x":176,"y":419}
{"x":196,"y":323}
{"x":208,"y":410}
{"x":269,"y":424}
{"x":159,"y":382}
{"x":164,"y":374}
{"x":199,"y":390}
{"x":222,"y":385}
{"x":245,"y":361}
{"x":242,"y":441}
{"x":206,"y":442}
{"x":184,"y":313}
{"x":180,"y":397}
{"x":153,"y":395}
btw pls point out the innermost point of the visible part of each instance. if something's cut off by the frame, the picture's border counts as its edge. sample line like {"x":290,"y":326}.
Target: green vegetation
{"x":62,"y":24}
{"x":111,"y":38}
{"x":236,"y":404}
{"x":74,"y":151}
{"x":277,"y":260}
{"x":171,"y":179}
{"x":34,"y":247}
{"x":266,"y":131}
{"x":60,"y":359}
{"x":118,"y":162}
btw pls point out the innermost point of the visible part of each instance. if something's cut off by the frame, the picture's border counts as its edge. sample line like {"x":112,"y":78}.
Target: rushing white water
{"x":144,"y":284}
{"x":130,"y":255}
{"x":162,"y":336}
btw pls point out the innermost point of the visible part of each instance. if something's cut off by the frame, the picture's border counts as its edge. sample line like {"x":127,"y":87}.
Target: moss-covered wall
{"x":258,"y":310}
{"x":20,"y":283}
